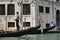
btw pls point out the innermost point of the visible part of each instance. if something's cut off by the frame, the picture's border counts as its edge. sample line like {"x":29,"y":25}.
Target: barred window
{"x":41,"y":9}
{"x":47,"y":9}
{"x":11,"y":24}
{"x":57,"y":0}
{"x":2,"y":9}
{"x":10,"y":9}
{"x":26,"y":9}
{"x":26,"y":24}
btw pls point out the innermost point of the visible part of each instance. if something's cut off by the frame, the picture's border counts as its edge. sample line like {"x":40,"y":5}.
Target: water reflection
{"x":55,"y":36}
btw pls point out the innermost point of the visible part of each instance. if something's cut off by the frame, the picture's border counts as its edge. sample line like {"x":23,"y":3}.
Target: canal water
{"x":50,"y":36}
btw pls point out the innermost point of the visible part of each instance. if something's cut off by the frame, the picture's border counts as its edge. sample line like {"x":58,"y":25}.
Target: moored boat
{"x":45,"y":30}
{"x":32,"y":30}
{"x":19,"y":33}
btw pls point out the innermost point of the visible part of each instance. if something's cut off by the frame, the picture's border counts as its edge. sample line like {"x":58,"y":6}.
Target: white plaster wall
{"x":2,"y":22}
{"x":8,"y":0}
{"x":34,"y":17}
{"x":7,"y":18}
{"x":33,"y":14}
{"x":46,"y":17}
{"x":48,"y":0}
{"x":37,"y":14}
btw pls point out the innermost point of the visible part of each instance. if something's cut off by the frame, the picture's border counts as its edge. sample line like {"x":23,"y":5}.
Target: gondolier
{"x":17,"y":21}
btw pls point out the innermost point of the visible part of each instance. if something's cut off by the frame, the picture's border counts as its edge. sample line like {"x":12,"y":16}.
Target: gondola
{"x":19,"y":33}
{"x":45,"y":30}
{"x":32,"y":30}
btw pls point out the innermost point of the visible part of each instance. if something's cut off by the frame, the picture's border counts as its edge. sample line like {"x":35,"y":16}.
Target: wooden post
{"x":41,"y":22}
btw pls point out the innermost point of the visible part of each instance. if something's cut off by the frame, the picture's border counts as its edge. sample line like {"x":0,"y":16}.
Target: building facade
{"x":31,"y":13}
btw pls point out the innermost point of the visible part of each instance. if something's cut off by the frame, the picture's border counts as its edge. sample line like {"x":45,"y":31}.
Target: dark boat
{"x":32,"y":30}
{"x":45,"y":30}
{"x":19,"y":33}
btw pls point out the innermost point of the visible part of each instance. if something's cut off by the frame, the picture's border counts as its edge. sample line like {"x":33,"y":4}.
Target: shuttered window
{"x":26,"y":24}
{"x":41,"y":9}
{"x":26,"y":9}
{"x":11,"y":24}
{"x":2,"y":9}
{"x":47,"y":9}
{"x":11,"y":9}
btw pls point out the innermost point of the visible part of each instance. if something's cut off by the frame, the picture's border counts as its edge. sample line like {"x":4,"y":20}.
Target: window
{"x":26,"y":24}
{"x":41,"y":9}
{"x":11,"y":24}
{"x":2,"y":9}
{"x":57,"y":0}
{"x":47,"y":9}
{"x":26,"y":9}
{"x":11,"y":9}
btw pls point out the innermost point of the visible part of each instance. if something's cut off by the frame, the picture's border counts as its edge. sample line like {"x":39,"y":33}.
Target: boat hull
{"x":19,"y":33}
{"x":32,"y":30}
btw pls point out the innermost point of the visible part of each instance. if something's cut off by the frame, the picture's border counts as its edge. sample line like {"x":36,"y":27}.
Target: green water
{"x":52,"y":36}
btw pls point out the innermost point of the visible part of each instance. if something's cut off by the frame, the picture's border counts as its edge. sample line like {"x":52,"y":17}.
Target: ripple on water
{"x":55,"y":36}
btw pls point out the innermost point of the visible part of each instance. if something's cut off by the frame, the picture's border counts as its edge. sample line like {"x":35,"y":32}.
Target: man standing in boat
{"x":17,"y":21}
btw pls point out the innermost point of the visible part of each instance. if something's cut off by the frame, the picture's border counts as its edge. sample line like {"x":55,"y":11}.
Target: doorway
{"x":58,"y":18}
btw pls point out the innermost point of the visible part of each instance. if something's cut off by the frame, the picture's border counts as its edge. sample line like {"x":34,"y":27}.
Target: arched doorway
{"x":57,"y":18}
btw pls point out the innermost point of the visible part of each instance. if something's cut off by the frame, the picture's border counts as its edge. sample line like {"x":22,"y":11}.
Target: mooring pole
{"x":41,"y":22}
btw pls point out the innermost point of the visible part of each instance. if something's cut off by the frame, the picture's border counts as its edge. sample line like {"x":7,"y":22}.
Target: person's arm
{"x":15,"y":18}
